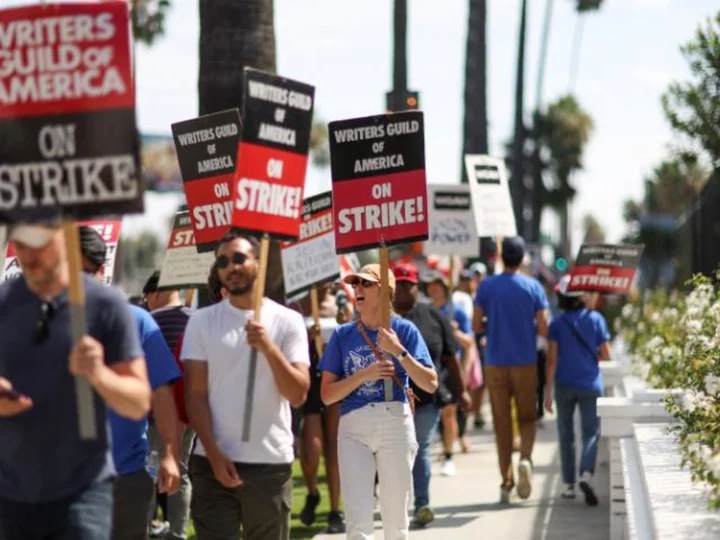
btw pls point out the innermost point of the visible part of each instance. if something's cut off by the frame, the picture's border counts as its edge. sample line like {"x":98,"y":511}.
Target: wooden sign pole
{"x":385,"y":308}
{"x":498,"y":256}
{"x":315,"y":309}
{"x":451,"y":276}
{"x":259,"y":294}
{"x":189,"y":297}
{"x":76,"y":300}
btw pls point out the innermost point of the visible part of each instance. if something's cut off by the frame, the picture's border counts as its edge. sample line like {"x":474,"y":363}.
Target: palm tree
{"x":563,"y":131}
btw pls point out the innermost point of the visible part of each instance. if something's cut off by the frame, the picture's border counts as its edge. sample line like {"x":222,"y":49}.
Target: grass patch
{"x":297,"y":529}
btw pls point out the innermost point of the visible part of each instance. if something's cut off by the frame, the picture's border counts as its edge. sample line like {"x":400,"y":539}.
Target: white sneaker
{"x":524,"y":487}
{"x":569,"y":492}
{"x":505,"y":495}
{"x":448,"y":468}
{"x":587,"y":489}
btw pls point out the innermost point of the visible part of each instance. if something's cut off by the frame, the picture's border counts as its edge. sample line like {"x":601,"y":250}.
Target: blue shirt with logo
{"x":576,"y":366}
{"x":347,"y":352}
{"x":129,"y":437}
{"x":42,"y":457}
{"x":511,"y":302}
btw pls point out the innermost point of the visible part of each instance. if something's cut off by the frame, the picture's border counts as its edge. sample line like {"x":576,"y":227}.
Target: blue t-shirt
{"x":576,"y":367}
{"x":129,"y":437}
{"x":347,"y":352}
{"x":42,"y":457}
{"x":460,"y":317}
{"x":511,"y":302}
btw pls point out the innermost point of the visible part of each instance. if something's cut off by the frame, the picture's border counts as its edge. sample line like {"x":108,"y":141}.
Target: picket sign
{"x":379,"y":189}
{"x":453,"y":230}
{"x":267,"y":196}
{"x":183,"y":267}
{"x":80,"y":151}
{"x":605,"y":268}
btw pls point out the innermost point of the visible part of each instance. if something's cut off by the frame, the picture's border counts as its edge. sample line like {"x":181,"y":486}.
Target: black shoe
{"x":307,"y":516}
{"x":336,"y":523}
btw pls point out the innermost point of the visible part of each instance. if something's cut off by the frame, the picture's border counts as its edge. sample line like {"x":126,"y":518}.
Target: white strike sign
{"x":183,"y":267}
{"x":492,"y":205}
{"x":452,"y":224}
{"x":312,"y":259}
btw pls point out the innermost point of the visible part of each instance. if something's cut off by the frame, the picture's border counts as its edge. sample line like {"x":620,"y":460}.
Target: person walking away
{"x":53,"y":485}
{"x":375,"y":435}
{"x":172,"y":316}
{"x":453,"y":423}
{"x":438,"y":335}
{"x":134,"y":486}
{"x":512,"y":308}
{"x":238,"y":481}
{"x":469,"y":281}
{"x":578,"y":338}
{"x":320,"y":422}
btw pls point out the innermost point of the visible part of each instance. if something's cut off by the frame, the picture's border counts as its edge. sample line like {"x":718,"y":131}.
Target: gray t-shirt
{"x":42,"y":457}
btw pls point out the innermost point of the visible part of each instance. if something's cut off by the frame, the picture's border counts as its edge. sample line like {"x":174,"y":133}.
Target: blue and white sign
{"x":494,"y":215}
{"x":452,"y":223}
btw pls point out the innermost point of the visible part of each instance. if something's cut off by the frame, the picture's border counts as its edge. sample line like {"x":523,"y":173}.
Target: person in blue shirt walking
{"x":134,"y":487}
{"x":375,"y":435}
{"x":515,"y":307}
{"x":453,"y":416}
{"x":578,"y":338}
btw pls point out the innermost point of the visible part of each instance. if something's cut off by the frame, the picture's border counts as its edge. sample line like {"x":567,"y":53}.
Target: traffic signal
{"x":561,"y":264}
{"x":409,"y":101}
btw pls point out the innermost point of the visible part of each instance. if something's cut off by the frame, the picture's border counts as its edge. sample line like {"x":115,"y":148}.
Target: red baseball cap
{"x":406,"y":272}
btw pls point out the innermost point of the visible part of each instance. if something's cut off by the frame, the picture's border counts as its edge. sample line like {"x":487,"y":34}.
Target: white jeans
{"x":377,"y":437}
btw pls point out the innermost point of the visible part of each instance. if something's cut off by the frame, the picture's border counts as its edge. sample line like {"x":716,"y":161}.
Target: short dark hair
{"x":512,"y":260}
{"x":233,"y":235}
{"x":570,"y":303}
{"x":151,"y":285}
{"x":92,"y":246}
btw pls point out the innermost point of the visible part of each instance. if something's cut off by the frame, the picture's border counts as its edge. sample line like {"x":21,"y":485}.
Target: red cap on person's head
{"x":406,"y":272}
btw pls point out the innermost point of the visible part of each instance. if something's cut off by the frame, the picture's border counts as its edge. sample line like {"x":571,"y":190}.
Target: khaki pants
{"x":504,"y":383}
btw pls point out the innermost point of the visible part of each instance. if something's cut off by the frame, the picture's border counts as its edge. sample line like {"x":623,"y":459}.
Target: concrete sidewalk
{"x":466,"y":506}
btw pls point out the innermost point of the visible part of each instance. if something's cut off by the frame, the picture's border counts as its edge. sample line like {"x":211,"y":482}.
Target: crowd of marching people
{"x":185,"y":442}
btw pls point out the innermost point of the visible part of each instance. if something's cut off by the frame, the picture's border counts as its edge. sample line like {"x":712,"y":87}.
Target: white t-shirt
{"x":216,"y":335}
{"x":464,"y":301}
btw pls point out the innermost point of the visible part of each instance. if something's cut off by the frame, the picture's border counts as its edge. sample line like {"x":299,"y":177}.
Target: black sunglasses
{"x":47,"y":312}
{"x":223,"y":260}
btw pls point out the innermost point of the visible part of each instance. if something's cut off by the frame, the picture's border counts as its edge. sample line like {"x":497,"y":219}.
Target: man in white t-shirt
{"x":235,"y":481}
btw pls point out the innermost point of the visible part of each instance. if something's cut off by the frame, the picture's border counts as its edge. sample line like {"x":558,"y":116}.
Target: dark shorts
{"x":314,"y":404}
{"x":132,"y":506}
{"x":261,"y":505}
{"x":86,"y":516}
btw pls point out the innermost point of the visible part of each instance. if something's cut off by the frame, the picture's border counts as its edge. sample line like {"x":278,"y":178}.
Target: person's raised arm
{"x":413,"y":355}
{"x":550,"y":367}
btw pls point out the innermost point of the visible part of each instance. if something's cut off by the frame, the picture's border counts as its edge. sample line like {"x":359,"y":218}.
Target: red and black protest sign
{"x":378,"y":175}
{"x":272,"y":158}
{"x":68,"y":139}
{"x":605,"y":268}
{"x":207,"y":149}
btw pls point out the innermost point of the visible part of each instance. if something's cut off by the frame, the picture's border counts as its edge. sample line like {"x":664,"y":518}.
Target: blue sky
{"x":629,"y":54}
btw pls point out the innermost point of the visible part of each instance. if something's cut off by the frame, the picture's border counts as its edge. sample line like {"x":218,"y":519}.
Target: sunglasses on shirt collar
{"x":42,"y":326}
{"x":223,"y":261}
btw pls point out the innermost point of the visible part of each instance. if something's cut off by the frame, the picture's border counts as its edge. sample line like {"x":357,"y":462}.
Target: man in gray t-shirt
{"x":45,"y":469}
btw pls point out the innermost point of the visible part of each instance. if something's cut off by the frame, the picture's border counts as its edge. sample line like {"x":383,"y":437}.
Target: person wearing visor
{"x":47,"y":471}
{"x":578,"y":339}
{"x":134,"y":487}
{"x":243,"y":480}
{"x":374,"y":435}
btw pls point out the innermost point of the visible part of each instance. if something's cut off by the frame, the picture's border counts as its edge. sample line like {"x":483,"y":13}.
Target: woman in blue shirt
{"x":375,"y":435}
{"x":578,"y":339}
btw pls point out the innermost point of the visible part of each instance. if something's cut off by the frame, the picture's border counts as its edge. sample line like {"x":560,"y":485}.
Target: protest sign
{"x":183,"y":267}
{"x":207,"y":148}
{"x":605,"y":268}
{"x":492,"y":205}
{"x":311,"y":260}
{"x":378,"y":175}
{"x":272,"y":158}
{"x":109,"y":230}
{"x":452,"y":223}
{"x":67,"y":113}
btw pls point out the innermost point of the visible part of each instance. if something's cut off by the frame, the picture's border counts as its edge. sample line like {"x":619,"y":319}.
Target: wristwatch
{"x":403,"y":355}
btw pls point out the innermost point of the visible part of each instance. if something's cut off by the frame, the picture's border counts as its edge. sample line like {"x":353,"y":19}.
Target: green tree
{"x":693,"y":107}
{"x":563,"y":132}
{"x":148,"y":19}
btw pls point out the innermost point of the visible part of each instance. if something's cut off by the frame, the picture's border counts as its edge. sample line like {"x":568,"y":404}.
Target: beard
{"x":241,"y":286}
